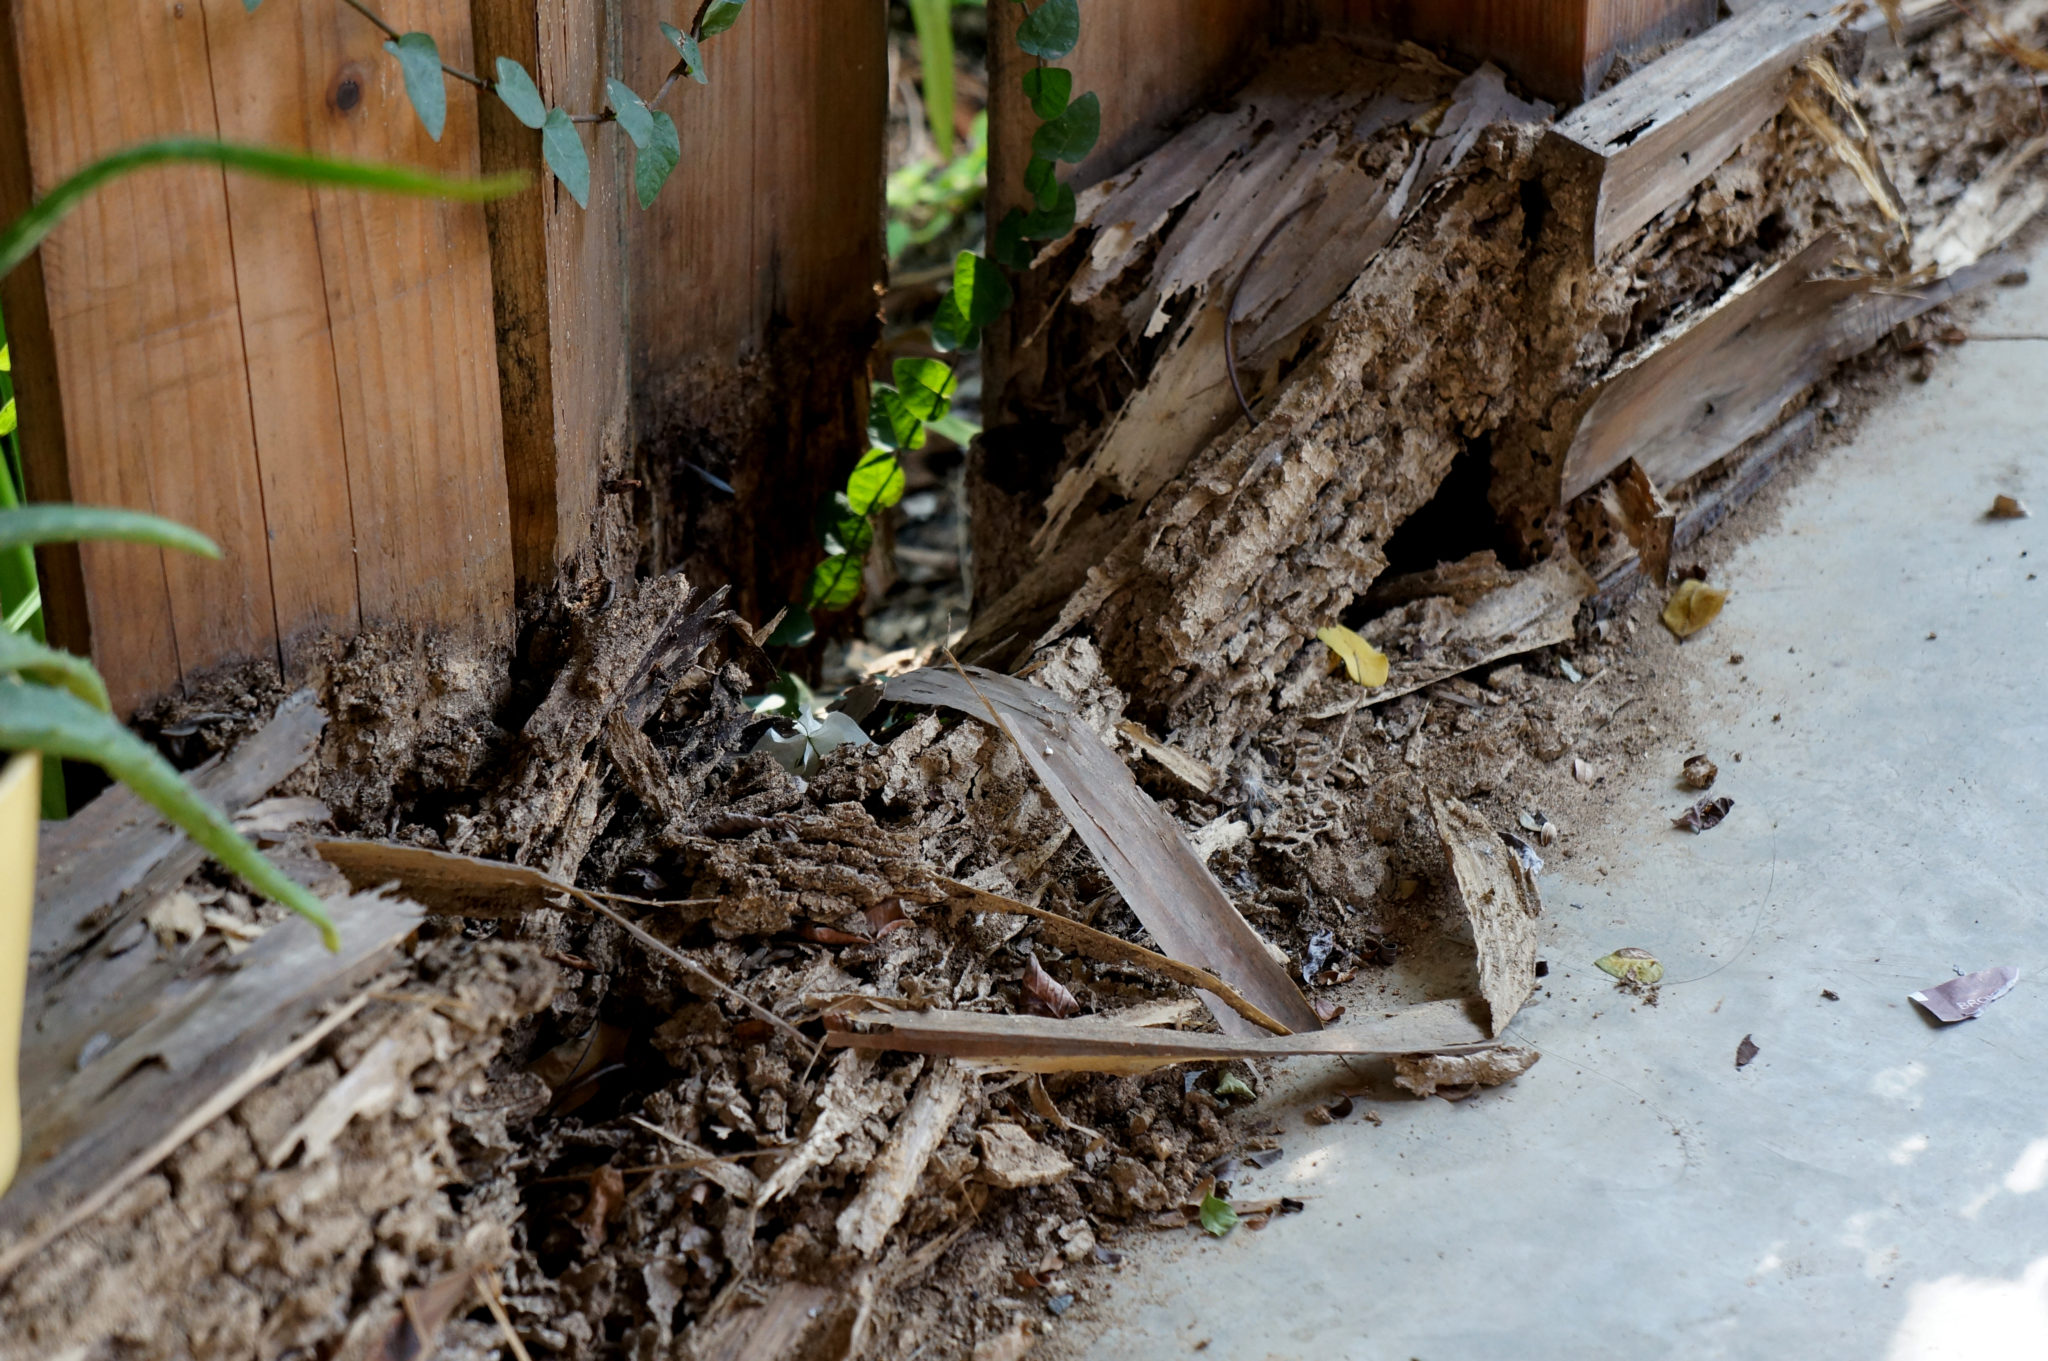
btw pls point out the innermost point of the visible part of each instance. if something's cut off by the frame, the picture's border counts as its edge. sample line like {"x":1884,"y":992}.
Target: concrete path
{"x":1871,"y":1186}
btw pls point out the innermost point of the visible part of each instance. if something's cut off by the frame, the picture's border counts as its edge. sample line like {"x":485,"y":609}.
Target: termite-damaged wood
{"x":1646,"y":518}
{"x":1652,"y":138}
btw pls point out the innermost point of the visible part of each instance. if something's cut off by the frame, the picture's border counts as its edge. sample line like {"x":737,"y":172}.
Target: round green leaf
{"x":891,"y":421}
{"x":1048,"y":88}
{"x":1217,"y":1216}
{"x":562,"y":147}
{"x":1072,"y":135}
{"x":835,"y":583}
{"x":1051,"y":222}
{"x":841,"y":528}
{"x":1041,"y":177}
{"x":951,"y":330}
{"x":722,"y":15}
{"x":927,"y":386}
{"x":1009,"y":245}
{"x":796,"y":629}
{"x":875,"y":483}
{"x":980,"y":291}
{"x":420,"y":61}
{"x":1051,"y":30}
{"x":517,"y":91}
{"x":653,"y":163}
{"x":692,"y":54}
{"x":636,"y":120}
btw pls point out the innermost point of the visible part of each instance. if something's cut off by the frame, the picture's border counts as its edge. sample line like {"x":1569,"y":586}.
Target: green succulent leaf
{"x":655,"y":162}
{"x":1072,"y":135}
{"x":516,"y":90}
{"x":1217,"y":1216}
{"x":1051,"y":30}
{"x":73,"y":524}
{"x":562,"y":146}
{"x":835,"y":583}
{"x":692,"y":54}
{"x":21,"y":655}
{"x":57,"y":723}
{"x":927,"y":386}
{"x":1048,"y":88}
{"x":636,"y":120}
{"x":722,"y":15}
{"x":891,"y":421}
{"x":420,"y":60}
{"x":876,"y":482}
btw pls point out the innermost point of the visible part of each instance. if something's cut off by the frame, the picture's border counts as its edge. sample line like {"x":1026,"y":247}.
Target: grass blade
{"x":27,"y":525}
{"x":26,"y":232}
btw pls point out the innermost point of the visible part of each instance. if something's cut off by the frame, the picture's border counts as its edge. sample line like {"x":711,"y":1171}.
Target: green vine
{"x":922,"y":393}
{"x":657,"y":145}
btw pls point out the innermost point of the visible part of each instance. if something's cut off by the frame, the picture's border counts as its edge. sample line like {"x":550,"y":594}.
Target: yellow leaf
{"x":1363,"y":662}
{"x":1693,"y":606}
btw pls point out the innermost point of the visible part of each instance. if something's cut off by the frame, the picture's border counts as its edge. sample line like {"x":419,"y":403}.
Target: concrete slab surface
{"x":1872,"y":1185}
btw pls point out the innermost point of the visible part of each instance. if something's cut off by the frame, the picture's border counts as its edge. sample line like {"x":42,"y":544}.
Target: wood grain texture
{"x":1559,"y":49}
{"x":1649,"y":140}
{"x":409,"y":304}
{"x":559,"y":277}
{"x":752,"y":285}
{"x":146,"y":338}
{"x":259,"y":66}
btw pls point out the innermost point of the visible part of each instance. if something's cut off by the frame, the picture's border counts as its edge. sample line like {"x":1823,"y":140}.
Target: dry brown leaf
{"x":1693,"y":606}
{"x":1045,"y":995}
{"x":1700,"y":772}
{"x":1704,"y":816}
{"x":1746,"y":1052}
{"x":423,"y":1313}
{"x":2005,"y":507}
{"x":607,"y":1197}
{"x":1428,"y":1074}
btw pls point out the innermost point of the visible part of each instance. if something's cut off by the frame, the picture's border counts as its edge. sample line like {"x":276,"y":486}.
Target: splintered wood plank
{"x":146,"y":339}
{"x":560,"y":282}
{"x":752,"y":284}
{"x":1645,"y":143}
{"x":409,"y":305}
{"x":259,"y":71}
{"x":1701,"y":393}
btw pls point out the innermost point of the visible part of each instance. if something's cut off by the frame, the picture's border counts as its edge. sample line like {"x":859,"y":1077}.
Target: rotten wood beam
{"x":1643,"y":145}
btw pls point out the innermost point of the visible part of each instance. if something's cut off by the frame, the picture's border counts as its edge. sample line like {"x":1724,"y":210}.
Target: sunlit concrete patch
{"x":1975,"y":1318}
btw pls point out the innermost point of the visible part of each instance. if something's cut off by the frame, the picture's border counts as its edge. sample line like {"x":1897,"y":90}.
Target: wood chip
{"x":893,"y":1176}
{"x":1427,"y":1074}
{"x":1501,"y":902}
{"x":1012,"y":1159}
{"x":1139,"y":847}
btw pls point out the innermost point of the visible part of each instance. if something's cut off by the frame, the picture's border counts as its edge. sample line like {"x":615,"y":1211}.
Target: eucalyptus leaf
{"x":722,"y":15}
{"x":653,"y":163}
{"x":420,"y":60}
{"x":876,"y":482}
{"x":927,"y":386}
{"x":636,"y":120}
{"x":59,"y":724}
{"x":1048,"y":88}
{"x":516,"y":90}
{"x":835,"y":583}
{"x":692,"y":54}
{"x":1051,"y":30}
{"x":1072,"y":135}
{"x":562,"y":146}
{"x":73,"y":524}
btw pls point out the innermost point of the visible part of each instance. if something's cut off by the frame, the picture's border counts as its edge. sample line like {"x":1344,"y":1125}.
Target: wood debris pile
{"x":660,"y":1049}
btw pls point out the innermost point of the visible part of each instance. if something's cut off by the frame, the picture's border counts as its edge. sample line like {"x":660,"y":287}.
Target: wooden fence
{"x":397,"y":413}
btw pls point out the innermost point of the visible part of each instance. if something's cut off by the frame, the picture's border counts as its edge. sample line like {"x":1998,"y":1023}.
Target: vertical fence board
{"x":261,"y":80}
{"x":752,"y":285}
{"x":559,"y":276}
{"x":1560,"y":49}
{"x":409,"y":304}
{"x":146,"y":336}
